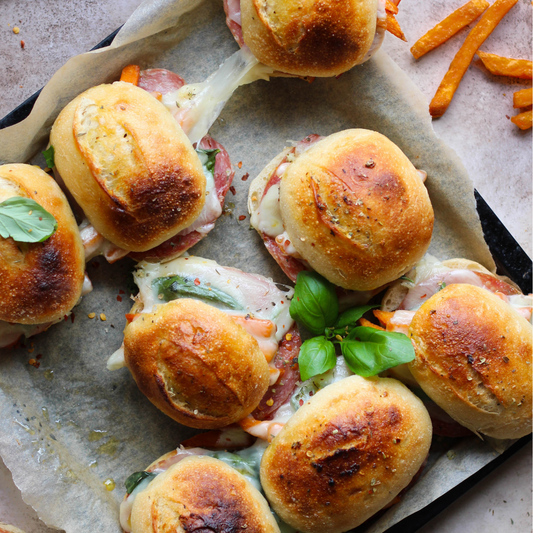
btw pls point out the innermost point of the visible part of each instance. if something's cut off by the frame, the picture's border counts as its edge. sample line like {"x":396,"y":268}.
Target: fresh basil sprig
{"x":315,"y":303}
{"x":135,"y":478}
{"x":174,"y":287}
{"x":317,"y":355}
{"x":209,"y":161}
{"x":49,"y":157}
{"x":25,"y":220}
{"x":369,"y":351}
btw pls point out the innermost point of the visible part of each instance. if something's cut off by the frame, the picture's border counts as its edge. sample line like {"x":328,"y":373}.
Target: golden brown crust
{"x":39,"y":282}
{"x":356,"y":209}
{"x":129,"y":165}
{"x":5,"y":528}
{"x":201,"y":494}
{"x":473,"y":358}
{"x":307,"y":37}
{"x":347,"y":453}
{"x":196,"y":364}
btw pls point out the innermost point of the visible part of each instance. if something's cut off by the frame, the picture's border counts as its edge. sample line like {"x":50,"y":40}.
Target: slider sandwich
{"x":472,"y":335}
{"x":350,"y":206}
{"x":209,"y":345}
{"x":145,"y":188}
{"x":324,"y":38}
{"x":42,"y":263}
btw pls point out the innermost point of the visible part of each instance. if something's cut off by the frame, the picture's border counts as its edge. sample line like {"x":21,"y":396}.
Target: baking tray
{"x":511,"y":260}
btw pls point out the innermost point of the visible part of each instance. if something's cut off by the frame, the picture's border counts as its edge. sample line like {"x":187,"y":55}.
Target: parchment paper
{"x":69,"y":425}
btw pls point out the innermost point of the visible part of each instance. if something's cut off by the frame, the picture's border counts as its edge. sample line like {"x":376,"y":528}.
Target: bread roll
{"x":346,"y":454}
{"x":196,"y":364}
{"x":309,"y":38}
{"x":39,"y":282}
{"x":201,"y":494}
{"x":356,"y":209}
{"x":473,"y":359}
{"x":129,"y":165}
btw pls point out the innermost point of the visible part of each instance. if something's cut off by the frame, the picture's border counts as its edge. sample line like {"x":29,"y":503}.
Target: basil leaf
{"x":347,"y":320}
{"x":209,"y":159}
{"x":135,"y":478}
{"x":369,"y":351}
{"x":242,"y":465}
{"x":315,"y":303}
{"x":49,"y":154}
{"x":25,"y":220}
{"x":174,"y":287}
{"x":317,"y":355}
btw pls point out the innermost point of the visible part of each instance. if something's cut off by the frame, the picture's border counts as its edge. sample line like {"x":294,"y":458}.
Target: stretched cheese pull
{"x":206,"y":344}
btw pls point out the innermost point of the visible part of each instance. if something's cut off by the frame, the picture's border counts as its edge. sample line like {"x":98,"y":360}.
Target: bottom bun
{"x":201,"y":494}
{"x":346,"y":454}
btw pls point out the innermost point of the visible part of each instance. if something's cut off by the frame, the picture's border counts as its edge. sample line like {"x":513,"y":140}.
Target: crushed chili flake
{"x":22,"y":45}
{"x":245,"y":177}
{"x":39,"y":356}
{"x":242,"y":217}
{"x":34,"y":363}
{"x":197,"y":282}
{"x":288,"y":336}
{"x":239,"y":164}
{"x":233,"y":191}
{"x":91,"y":315}
{"x":270,"y":402}
{"x":72,"y":317}
{"x":119,"y":298}
{"x":103,"y":318}
{"x":423,"y":296}
{"x":65,"y":318}
{"x":121,"y":291}
{"x":301,"y":402}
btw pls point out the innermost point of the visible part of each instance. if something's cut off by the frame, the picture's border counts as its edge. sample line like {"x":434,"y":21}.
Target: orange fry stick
{"x":523,"y":98}
{"x":368,"y":324}
{"x":394,"y":27}
{"x":391,"y":8}
{"x":464,"y":56}
{"x":383,"y":316}
{"x":506,"y":66}
{"x":523,"y":120}
{"x":449,"y":27}
{"x":131,"y":74}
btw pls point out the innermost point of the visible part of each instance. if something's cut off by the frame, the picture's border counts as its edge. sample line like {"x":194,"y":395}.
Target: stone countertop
{"x":55,"y":30}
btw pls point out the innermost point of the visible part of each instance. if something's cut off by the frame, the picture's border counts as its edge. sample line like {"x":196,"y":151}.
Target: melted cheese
{"x":267,"y":218}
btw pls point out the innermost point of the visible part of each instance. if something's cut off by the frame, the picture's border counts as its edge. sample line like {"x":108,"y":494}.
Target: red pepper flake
{"x":197,"y":282}
{"x":423,"y":296}
{"x":66,"y":318}
{"x":121,"y":291}
{"x":72,"y":317}
{"x":239,"y":164}
{"x":245,"y":177}
{"x":282,"y":302}
{"x":507,"y":117}
{"x":233,"y":191}
{"x":39,"y":356}
{"x":242,"y":217}
{"x":22,"y":44}
{"x":119,"y":298}
{"x":301,"y":402}
{"x":311,"y":393}
{"x":34,"y":363}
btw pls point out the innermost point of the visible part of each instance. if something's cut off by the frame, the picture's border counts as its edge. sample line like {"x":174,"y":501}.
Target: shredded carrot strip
{"x":368,"y":324}
{"x":506,"y":66}
{"x":466,"y":53}
{"x":383,"y":316}
{"x":394,"y":27}
{"x":523,"y":98}
{"x":248,"y":422}
{"x":449,"y":27}
{"x":523,"y":120}
{"x":391,"y":8}
{"x":131,"y":74}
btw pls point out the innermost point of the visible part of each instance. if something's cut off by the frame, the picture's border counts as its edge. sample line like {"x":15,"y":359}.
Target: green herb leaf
{"x":347,"y":320}
{"x":25,"y":220}
{"x":317,"y":355}
{"x":315,"y":303}
{"x":442,"y":284}
{"x":405,"y":278}
{"x":174,"y":287}
{"x":208,"y":158}
{"x":369,"y":351}
{"x":134,"y":480}
{"x":49,"y":157}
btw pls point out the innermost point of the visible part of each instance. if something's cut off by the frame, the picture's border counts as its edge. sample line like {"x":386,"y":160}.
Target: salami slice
{"x":496,"y":285}
{"x":286,"y":360}
{"x":160,"y":80}
{"x":290,"y":265}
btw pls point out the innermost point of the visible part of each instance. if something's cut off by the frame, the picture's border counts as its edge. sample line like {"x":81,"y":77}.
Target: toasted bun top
{"x":39,"y":282}
{"x":356,"y":210}
{"x":345,"y":454}
{"x":473,"y":358}
{"x":201,"y":494}
{"x":309,"y":38}
{"x":129,"y":165}
{"x":196,"y":364}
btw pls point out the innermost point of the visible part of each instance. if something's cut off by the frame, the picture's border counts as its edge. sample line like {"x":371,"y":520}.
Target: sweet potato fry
{"x":131,"y":74}
{"x":506,"y":66}
{"x":391,"y":8}
{"x":394,"y":27}
{"x":449,"y":26}
{"x":523,"y":98}
{"x":523,"y":120}
{"x":368,"y":324}
{"x":464,"y":56}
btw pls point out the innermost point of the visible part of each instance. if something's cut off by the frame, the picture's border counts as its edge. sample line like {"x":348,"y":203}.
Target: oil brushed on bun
{"x":201,"y":494}
{"x":196,"y":364}
{"x":473,"y":358}
{"x":356,"y":209}
{"x":346,"y":454}
{"x":39,"y":282}
{"x":309,"y":38}
{"x":129,"y":165}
